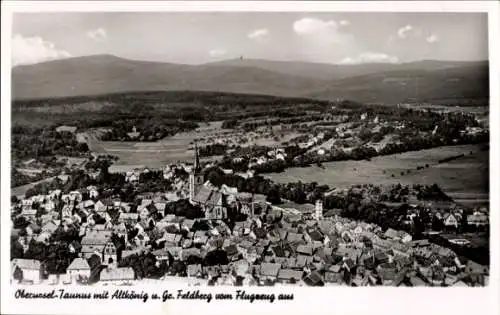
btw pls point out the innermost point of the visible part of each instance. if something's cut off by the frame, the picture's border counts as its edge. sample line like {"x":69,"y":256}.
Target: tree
{"x":200,"y":225}
{"x":18,"y":274}
{"x":463,"y":225}
{"x":418,"y":228}
{"x":273,"y":196}
{"x":20,"y":223}
{"x":16,"y":249}
{"x":30,"y":193}
{"x":216,"y":257}
{"x":437,"y":224}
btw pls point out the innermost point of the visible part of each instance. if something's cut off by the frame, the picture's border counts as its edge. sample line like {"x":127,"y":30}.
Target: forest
{"x":36,"y":142}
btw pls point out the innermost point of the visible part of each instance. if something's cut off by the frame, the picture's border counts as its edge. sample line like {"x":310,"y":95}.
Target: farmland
{"x":178,"y":147}
{"x":153,"y":154}
{"x":465,"y":179}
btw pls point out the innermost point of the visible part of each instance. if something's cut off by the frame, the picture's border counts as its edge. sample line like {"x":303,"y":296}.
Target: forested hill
{"x":453,"y":83}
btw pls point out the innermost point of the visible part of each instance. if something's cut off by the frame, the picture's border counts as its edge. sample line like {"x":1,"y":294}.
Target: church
{"x":213,"y":201}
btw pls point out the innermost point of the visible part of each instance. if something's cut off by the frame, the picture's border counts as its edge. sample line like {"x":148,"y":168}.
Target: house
{"x":305,"y":250}
{"x":187,"y":224}
{"x":161,"y":254}
{"x":93,"y":245}
{"x":315,"y":235}
{"x":29,"y":214}
{"x":187,"y":252}
{"x":349,"y":264}
{"x":417,"y":282}
{"x":232,"y":252}
{"x":398,"y":235}
{"x":141,"y":239}
{"x":33,"y":229}
{"x":101,"y":207}
{"x":63,"y":128}
{"x":160,"y":206}
{"x":93,"y":192}
{"x":381,"y":257}
{"x":50,"y":227}
{"x":294,"y":237}
{"x":55,"y":194}
{"x":132,"y":177}
{"x":333,"y":277}
{"x":43,"y":238}
{"x":314,"y":279}
{"x":78,"y":269}
{"x":141,"y":226}
{"x":87,"y":205}
{"x":117,"y":276}
{"x":130,"y":218}
{"x":200,"y":237}
{"x":194,"y":270}
{"x":49,"y":206}
{"x":477,"y":219}
{"x":67,"y":211}
{"x":175,"y":251}
{"x":450,"y":220}
{"x":459,"y":283}
{"x":420,"y":243}
{"x":172,"y":239}
{"x":26,"y":270}
{"x":75,"y":196}
{"x":401,"y":249}
{"x":269,"y":271}
{"x":474,"y":268}
{"x":303,"y":261}
{"x":387,"y":273}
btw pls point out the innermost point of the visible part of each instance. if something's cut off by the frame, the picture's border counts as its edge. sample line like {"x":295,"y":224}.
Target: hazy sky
{"x":195,"y":38}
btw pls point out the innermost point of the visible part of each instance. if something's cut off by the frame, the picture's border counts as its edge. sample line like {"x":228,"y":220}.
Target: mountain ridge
{"x":101,"y":74}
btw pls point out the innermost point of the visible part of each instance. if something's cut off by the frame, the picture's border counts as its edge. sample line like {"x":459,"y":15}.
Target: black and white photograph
{"x":256,"y":151}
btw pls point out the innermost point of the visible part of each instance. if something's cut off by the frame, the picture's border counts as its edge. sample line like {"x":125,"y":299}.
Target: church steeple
{"x":196,"y":177}
{"x":196,"y":167}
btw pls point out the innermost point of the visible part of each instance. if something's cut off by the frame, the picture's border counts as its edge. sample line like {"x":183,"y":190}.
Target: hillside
{"x":336,"y":72}
{"x":435,"y":81}
{"x":465,"y":85}
{"x":108,"y":74}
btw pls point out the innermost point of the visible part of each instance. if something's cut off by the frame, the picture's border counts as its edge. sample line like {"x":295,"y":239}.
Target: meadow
{"x":465,"y":179}
{"x":151,"y":154}
{"x":174,"y":148}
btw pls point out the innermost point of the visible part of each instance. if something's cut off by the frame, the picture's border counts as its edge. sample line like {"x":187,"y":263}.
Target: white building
{"x":78,"y":269}
{"x":117,"y":276}
{"x":26,"y":270}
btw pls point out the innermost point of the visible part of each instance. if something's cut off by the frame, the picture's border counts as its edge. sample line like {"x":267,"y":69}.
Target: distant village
{"x":95,"y":240}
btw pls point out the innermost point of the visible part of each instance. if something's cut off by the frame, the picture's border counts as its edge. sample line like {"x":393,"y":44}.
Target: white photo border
{"x":326,"y":300}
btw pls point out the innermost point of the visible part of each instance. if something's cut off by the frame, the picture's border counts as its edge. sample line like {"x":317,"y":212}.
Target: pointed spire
{"x":196,"y":157}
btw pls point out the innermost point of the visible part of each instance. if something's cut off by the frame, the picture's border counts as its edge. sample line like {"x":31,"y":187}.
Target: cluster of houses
{"x":275,"y":246}
{"x":266,"y":249}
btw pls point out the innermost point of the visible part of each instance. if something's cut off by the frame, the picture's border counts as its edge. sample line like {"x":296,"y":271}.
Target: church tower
{"x":195,"y":176}
{"x":318,"y":213}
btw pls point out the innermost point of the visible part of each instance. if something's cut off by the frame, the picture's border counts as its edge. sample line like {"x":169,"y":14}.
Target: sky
{"x":196,"y":38}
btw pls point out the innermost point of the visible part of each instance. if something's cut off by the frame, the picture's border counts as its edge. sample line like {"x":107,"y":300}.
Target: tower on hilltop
{"x":195,"y":176}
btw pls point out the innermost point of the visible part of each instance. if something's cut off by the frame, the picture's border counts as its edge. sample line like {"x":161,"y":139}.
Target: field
{"x":151,"y":154}
{"x":20,"y":191}
{"x":465,"y":179}
{"x":178,"y":147}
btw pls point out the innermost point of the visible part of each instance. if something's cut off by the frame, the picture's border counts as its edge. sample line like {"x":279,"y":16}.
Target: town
{"x":207,"y":228}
